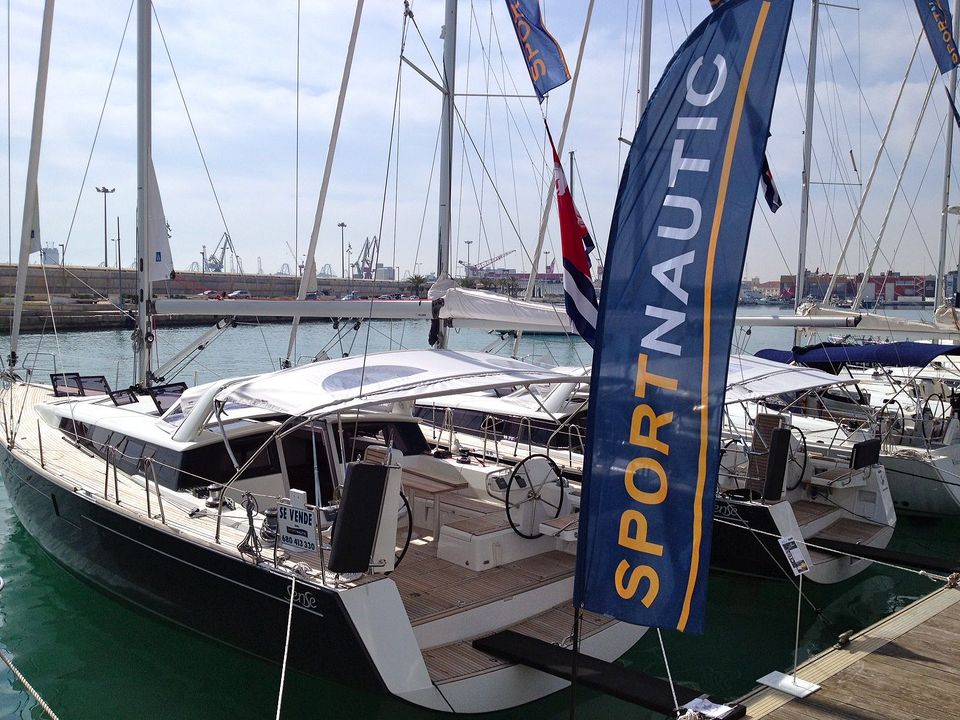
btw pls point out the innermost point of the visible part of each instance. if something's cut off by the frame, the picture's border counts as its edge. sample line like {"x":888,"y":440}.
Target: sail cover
{"x":674,"y":262}
{"x":831,"y":357}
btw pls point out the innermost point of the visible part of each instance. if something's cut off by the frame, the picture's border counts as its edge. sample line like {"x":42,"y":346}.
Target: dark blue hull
{"x":752,"y":548}
{"x":223,"y":597}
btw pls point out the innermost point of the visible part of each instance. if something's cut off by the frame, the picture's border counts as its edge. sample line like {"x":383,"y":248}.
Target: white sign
{"x":297,"y":523}
{"x":794,"y":555}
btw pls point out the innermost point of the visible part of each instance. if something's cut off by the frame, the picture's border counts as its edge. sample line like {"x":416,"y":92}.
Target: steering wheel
{"x":927,"y":415}
{"x":528,"y":480}
{"x":802,"y":453}
{"x":406,"y":543}
{"x":899,"y":422}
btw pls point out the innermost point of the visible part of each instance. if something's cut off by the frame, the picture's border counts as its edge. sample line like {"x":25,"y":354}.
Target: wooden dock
{"x":905,"y":666}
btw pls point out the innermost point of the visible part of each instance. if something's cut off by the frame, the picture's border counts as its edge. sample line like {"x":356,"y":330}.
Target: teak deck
{"x":905,"y":666}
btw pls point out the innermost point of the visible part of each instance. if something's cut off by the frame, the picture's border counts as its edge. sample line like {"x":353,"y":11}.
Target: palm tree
{"x":417,"y":283}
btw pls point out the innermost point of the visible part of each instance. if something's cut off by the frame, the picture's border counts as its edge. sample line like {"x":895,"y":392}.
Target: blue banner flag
{"x":544,"y":58}
{"x":671,"y":279}
{"x":938,"y":27}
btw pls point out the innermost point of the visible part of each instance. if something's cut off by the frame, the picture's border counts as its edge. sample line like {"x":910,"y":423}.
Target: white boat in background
{"x":908,"y":400}
{"x":786,"y":475}
{"x":832,"y":488}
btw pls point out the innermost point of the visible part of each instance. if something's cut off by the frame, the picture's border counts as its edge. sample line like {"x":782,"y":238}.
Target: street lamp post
{"x":106,"y":191}
{"x":343,"y":267}
{"x":468,"y":243}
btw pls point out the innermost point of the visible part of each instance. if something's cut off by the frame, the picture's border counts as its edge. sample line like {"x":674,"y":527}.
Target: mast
{"x":807,"y":151}
{"x":446,"y":148}
{"x":144,"y":159}
{"x":646,"y":31}
{"x":29,"y":241}
{"x":939,"y":296}
{"x":309,"y":270}
{"x":893,"y":196}
{"x":873,"y":171}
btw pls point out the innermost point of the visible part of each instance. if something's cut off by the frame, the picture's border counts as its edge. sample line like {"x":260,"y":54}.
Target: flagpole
{"x":939,"y":296}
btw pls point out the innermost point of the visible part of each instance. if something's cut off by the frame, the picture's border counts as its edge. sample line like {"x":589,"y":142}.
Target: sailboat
{"x":304,"y":504}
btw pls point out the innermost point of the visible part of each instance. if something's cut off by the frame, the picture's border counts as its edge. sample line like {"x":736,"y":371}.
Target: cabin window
{"x":79,"y":431}
{"x":213,"y":464}
{"x":405,"y":437}
{"x":298,"y":454}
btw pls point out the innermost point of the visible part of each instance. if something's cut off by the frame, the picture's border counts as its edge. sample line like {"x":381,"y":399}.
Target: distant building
{"x":384,"y":273}
{"x":888,"y":287}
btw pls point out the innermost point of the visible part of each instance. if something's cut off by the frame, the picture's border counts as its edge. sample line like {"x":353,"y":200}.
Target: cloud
{"x":237,"y":69}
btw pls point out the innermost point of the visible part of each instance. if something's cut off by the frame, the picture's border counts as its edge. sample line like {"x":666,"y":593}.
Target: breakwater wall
{"x":69,"y":295}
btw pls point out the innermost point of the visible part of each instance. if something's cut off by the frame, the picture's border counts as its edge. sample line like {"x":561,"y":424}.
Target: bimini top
{"x":754,"y":378}
{"x":345,"y":383}
{"x":831,"y":357}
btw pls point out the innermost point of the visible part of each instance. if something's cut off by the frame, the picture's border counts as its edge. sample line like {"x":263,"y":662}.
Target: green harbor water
{"x":92,"y":656}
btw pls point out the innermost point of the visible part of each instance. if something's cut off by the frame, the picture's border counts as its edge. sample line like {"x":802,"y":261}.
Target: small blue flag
{"x":938,"y":26}
{"x":544,"y":58}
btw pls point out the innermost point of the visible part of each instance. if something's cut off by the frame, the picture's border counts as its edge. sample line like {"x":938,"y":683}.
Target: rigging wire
{"x":96,"y":134}
{"x":601,"y":253}
{"x":394,"y":137}
{"x":626,"y":67}
{"x":193,"y":128}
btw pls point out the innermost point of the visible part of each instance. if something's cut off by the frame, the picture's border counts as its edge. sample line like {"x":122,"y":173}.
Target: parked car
{"x":239,"y":295}
{"x":210,"y":294}
{"x":351,"y":296}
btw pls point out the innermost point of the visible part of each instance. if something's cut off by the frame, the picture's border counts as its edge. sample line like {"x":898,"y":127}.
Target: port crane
{"x":215,"y":261}
{"x":472,"y":270}
{"x":363,"y":267}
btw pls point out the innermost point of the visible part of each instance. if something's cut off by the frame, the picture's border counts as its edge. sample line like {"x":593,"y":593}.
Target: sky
{"x":237,"y":71}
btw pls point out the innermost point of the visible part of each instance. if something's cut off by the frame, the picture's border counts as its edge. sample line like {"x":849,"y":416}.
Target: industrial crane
{"x":363,"y":267}
{"x":471,"y":270}
{"x":215,"y":261}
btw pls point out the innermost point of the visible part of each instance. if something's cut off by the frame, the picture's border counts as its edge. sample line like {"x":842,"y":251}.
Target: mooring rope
{"x":23,"y":681}
{"x":27,"y":686}
{"x":286,"y":644}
